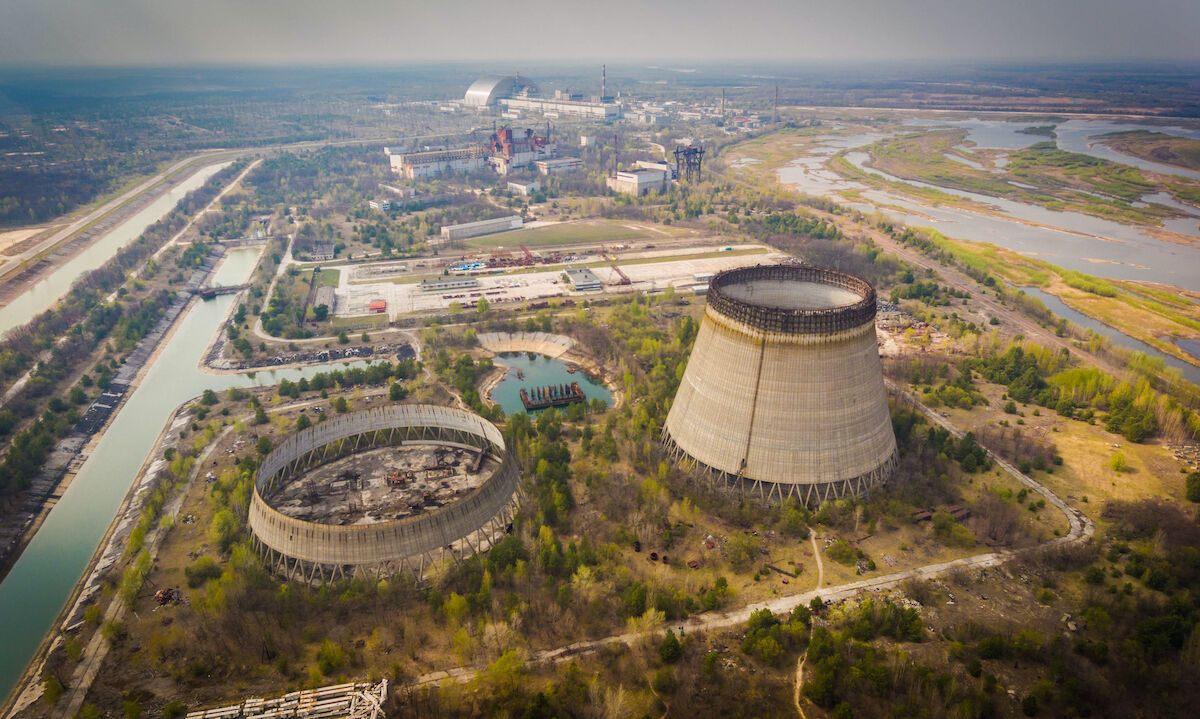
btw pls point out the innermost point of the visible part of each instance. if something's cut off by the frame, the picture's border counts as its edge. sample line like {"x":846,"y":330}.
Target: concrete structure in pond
{"x":379,"y":546}
{"x":783,"y":395}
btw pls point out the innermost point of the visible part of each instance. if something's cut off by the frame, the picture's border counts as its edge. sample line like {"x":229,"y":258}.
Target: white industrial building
{"x":652,"y":165}
{"x":525,"y":188}
{"x":641,"y":181}
{"x":450,"y":233}
{"x":487,"y":91}
{"x":583,"y":280}
{"x":563,"y":108}
{"x":432,"y":163}
{"x":443,"y":284}
{"x":514,"y":94}
{"x":559,"y":166}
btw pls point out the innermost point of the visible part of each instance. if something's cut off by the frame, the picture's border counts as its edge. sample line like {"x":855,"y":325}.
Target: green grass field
{"x":363,"y":322}
{"x":571,"y":233}
{"x":328,"y":278}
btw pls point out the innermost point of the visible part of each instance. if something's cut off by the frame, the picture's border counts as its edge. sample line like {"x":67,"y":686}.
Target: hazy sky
{"x":406,"y":31}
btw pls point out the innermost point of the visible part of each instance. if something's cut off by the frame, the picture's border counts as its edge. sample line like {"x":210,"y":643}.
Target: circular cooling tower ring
{"x":314,"y":552}
{"x":783,"y":395}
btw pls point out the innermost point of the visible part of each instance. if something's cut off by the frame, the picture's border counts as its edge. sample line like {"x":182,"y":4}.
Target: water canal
{"x":42,"y":579}
{"x":42,"y":295}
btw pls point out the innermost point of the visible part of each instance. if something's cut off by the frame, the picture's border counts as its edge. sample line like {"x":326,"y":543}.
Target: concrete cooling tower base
{"x":809,"y":494}
{"x":385,"y":491}
{"x":783,"y":394}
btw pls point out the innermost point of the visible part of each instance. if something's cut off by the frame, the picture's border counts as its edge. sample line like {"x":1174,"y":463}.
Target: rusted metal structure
{"x":559,"y":395}
{"x":783,"y":395}
{"x":689,"y":162}
{"x":315,"y":552}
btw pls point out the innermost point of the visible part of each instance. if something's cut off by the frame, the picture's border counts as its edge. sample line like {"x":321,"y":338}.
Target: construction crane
{"x":529,"y":258}
{"x":612,"y":260}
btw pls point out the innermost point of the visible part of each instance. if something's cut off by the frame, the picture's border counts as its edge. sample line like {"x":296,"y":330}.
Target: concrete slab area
{"x":647,"y":270}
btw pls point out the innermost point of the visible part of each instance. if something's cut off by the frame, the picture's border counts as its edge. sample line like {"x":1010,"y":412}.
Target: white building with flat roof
{"x":559,"y":165}
{"x":450,"y":233}
{"x":524,"y":188}
{"x":563,"y":108}
{"x":641,"y":181}
{"x":433,"y":163}
{"x":583,"y":280}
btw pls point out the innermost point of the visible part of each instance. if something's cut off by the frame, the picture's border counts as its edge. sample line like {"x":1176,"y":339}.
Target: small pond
{"x":530,"y":370}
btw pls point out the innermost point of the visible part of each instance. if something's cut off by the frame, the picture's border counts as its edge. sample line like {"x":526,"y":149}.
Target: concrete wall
{"x":540,"y":342}
{"x":307,"y":548}
{"x":791,"y":409}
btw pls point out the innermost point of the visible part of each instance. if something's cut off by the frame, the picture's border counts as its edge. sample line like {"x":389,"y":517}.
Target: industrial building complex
{"x":432,"y":163}
{"x":504,"y":152}
{"x":514,"y":94}
{"x":383,"y":491}
{"x":783,"y":395}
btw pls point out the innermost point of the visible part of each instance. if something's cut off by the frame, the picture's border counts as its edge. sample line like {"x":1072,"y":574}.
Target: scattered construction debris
{"x":340,"y":701}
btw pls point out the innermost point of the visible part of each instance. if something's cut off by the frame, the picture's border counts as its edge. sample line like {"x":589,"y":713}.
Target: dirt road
{"x":1081,"y":530}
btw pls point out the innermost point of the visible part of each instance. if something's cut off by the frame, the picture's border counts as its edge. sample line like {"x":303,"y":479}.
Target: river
{"x":40,"y":582}
{"x":42,"y":295}
{"x":1190,"y":371}
{"x":1069,"y":239}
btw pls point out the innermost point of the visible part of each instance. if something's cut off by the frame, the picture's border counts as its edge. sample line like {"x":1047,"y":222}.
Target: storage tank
{"x":783,"y":394}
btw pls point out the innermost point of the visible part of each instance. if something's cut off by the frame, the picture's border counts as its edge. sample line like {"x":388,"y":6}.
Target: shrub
{"x":330,"y":657}
{"x":201,"y":571}
{"x":1193,"y":487}
{"x":741,"y":549}
{"x":670,"y":650}
{"x":174,"y":709}
{"x":843,"y":552}
{"x":223,"y":529}
{"x":950,"y":532}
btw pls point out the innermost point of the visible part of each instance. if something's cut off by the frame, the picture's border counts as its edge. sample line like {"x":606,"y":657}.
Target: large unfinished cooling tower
{"x":783,"y":394}
{"x":383,"y":491}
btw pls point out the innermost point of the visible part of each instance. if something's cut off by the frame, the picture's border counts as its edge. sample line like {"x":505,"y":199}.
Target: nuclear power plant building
{"x":783,"y":395}
{"x":516,"y":94}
